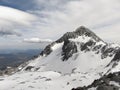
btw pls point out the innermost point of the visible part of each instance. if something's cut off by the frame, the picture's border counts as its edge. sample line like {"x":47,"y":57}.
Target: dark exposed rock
{"x":86,"y":45}
{"x":80,"y":88}
{"x":67,"y":36}
{"x":105,"y":87}
{"x":85,"y":31}
{"x":29,"y":68}
{"x":79,"y":32}
{"x":117,"y":55}
{"x":48,"y":79}
{"x":104,"y":83}
{"x":68,"y":49}
{"x":8,"y":71}
{"x":47,"y":50}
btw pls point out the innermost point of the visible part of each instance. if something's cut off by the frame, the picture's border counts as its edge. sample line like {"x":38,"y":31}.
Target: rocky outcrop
{"x":8,"y":71}
{"x":68,"y":49}
{"x":107,"y":82}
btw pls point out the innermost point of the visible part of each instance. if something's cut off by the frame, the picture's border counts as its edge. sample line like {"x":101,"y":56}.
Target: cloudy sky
{"x":24,"y":21}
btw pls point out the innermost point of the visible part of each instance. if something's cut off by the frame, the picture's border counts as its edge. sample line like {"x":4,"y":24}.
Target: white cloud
{"x":12,"y":19}
{"x":98,"y":15}
{"x":37,"y":40}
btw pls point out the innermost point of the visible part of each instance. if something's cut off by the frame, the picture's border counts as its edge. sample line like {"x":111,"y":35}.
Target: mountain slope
{"x":74,"y":49}
{"x":76,"y":59}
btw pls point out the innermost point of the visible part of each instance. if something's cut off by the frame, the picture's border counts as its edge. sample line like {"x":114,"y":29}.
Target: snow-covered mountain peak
{"x":79,"y":32}
{"x":85,"y":31}
{"x":76,"y":59}
{"x":81,"y":35}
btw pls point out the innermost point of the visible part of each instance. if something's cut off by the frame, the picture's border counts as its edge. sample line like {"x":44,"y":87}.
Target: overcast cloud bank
{"x":51,"y":19}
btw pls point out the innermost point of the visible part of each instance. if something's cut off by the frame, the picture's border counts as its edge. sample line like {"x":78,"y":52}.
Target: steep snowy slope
{"x":76,"y":59}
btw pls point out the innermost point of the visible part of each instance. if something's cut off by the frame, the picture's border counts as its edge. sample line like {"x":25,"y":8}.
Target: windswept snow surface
{"x":48,"y":80}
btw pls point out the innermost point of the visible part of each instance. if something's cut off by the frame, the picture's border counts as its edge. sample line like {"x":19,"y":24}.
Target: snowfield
{"x":48,"y":80}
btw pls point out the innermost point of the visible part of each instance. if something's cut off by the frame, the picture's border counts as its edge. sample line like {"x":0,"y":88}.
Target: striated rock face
{"x":117,"y":55}
{"x":68,"y":49}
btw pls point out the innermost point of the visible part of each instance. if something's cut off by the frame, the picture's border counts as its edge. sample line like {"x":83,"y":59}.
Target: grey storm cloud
{"x":9,"y":32}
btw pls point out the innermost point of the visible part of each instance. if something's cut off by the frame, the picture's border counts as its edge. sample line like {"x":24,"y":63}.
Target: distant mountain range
{"x":14,"y":58}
